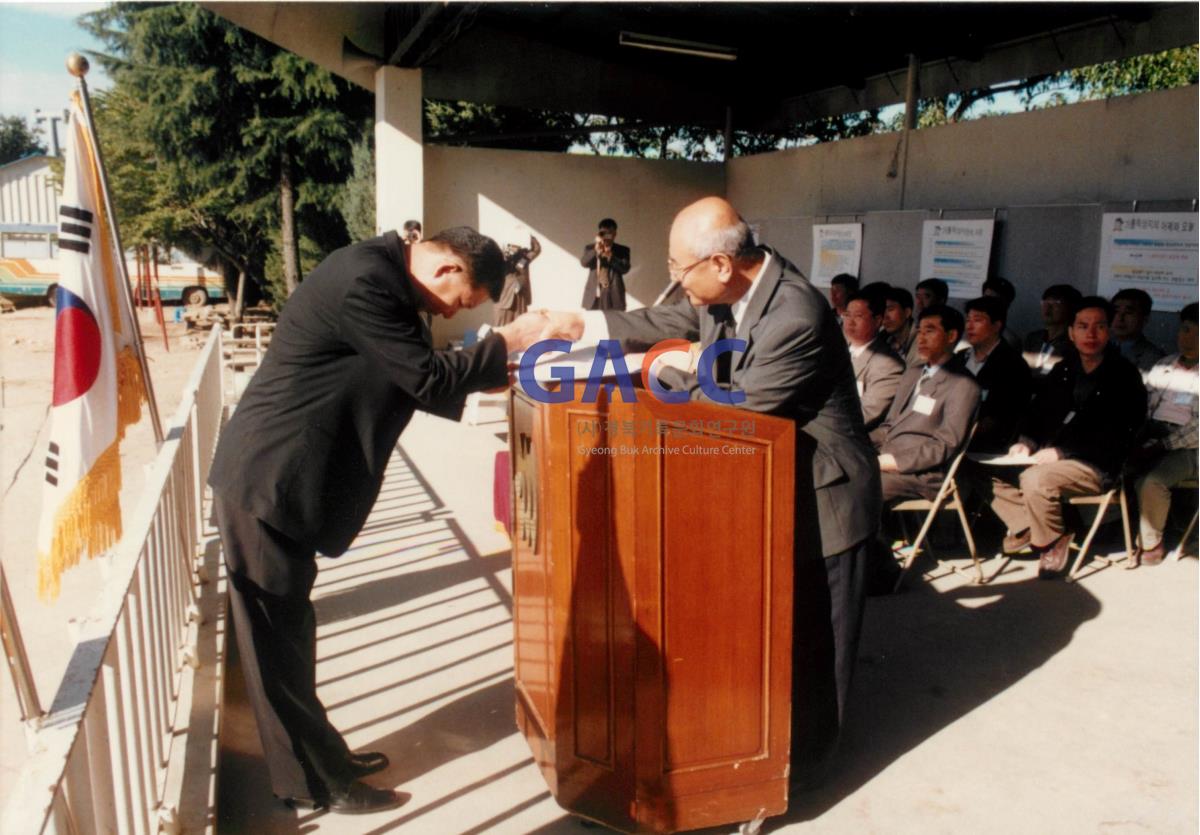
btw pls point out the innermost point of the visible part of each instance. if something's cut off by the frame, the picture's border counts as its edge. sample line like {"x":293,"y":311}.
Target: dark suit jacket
{"x":1005,"y":384}
{"x":796,"y":365}
{"x":349,"y":362}
{"x":1141,"y":352}
{"x":877,"y":373}
{"x":919,"y":442}
{"x":1100,"y":430}
{"x":618,"y":265}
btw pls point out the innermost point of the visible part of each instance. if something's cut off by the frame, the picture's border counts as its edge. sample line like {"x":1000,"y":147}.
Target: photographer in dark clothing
{"x":607,"y":263}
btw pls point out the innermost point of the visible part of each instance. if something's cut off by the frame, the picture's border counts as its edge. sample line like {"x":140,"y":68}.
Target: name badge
{"x":1070,"y":416}
{"x":924,"y":405}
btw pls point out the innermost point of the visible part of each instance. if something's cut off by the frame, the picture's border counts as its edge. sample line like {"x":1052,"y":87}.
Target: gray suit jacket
{"x":923,"y":442}
{"x":877,"y":373}
{"x":796,"y":365}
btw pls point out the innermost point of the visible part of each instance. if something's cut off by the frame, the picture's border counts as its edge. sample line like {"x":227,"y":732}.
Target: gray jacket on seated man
{"x":932,"y":414}
{"x":1131,"y":311}
{"x":877,"y":370}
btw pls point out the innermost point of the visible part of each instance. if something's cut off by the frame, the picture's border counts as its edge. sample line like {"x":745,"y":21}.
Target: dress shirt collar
{"x":738,"y":308}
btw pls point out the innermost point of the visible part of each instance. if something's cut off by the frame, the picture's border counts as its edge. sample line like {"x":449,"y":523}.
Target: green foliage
{"x":198,"y":119}
{"x":357,"y":198}
{"x":274,"y":285}
{"x":1139,"y":74}
{"x":1157,"y":71}
{"x":463,"y":123}
{"x":17,"y":139}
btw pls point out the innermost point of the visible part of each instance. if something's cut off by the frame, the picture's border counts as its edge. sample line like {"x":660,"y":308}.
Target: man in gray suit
{"x":877,"y":370}
{"x":926,"y":427}
{"x":795,"y":365}
{"x":932,"y":413}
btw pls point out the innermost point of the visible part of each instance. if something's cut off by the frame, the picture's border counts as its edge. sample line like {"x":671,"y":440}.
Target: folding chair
{"x":1193,"y":485}
{"x":948,"y":498}
{"x":1103,"y":500}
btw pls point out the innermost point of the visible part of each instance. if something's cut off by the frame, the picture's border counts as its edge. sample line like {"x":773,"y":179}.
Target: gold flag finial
{"x":77,"y":65}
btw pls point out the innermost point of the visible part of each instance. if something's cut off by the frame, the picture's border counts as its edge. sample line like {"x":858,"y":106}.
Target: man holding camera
{"x":607,"y":263}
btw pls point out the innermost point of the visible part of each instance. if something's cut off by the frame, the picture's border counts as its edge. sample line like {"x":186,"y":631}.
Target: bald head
{"x":709,"y":226}
{"x":712,"y":252}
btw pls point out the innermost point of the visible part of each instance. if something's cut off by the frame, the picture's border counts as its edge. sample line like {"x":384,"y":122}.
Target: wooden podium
{"x":652,"y":586}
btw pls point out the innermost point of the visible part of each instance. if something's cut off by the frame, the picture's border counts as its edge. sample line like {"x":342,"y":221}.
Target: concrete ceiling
{"x":794,"y":60}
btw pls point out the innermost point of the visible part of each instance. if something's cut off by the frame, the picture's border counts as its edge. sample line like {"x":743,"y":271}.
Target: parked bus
{"x":187,"y":282}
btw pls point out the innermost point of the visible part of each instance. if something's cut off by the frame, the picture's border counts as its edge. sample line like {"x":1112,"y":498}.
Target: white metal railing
{"x":102,"y":752}
{"x":246,"y":340}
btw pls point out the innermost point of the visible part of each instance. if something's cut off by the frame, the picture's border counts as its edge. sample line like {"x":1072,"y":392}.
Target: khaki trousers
{"x":1037,"y":503}
{"x":1154,"y":492}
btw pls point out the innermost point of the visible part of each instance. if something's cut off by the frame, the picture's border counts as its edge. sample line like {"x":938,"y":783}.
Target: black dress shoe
{"x":360,"y":799}
{"x":366,"y":762}
{"x":304,"y":804}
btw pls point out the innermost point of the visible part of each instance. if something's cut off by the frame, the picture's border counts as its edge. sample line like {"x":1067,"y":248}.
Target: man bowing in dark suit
{"x":301,"y":461}
{"x":795,"y":365}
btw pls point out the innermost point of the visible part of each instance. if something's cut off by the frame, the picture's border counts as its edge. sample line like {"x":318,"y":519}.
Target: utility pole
{"x":38,"y":118}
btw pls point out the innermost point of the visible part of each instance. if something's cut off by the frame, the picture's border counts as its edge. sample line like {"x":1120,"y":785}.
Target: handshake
{"x":536,"y":325}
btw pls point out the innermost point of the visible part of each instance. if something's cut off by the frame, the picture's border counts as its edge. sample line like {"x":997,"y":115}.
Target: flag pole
{"x":18,"y":660}
{"x":78,"y":66}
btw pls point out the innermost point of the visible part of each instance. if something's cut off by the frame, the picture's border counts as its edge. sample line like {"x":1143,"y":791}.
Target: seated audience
{"x":841,"y":287}
{"x":1131,"y":310}
{"x":929,"y":292}
{"x":932,"y":413}
{"x":1044,"y":348}
{"x":1004,"y":290}
{"x":875,"y":288}
{"x":925,"y":428}
{"x":1005,"y":384}
{"x":898,"y":325}
{"x":1078,"y":430}
{"x":1168,"y":448}
{"x":877,"y":370}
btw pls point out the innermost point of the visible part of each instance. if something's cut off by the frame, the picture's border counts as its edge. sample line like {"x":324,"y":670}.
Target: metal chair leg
{"x":916,"y":544}
{"x":1177,"y":554}
{"x":1125,"y":527}
{"x":962,"y":518}
{"x":1087,"y":543}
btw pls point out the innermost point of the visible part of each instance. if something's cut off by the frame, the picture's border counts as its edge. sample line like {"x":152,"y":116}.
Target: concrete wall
{"x":560,"y":198}
{"x":1047,"y":176}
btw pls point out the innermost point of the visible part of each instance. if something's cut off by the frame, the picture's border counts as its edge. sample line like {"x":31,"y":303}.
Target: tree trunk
{"x":287,"y":205}
{"x":239,"y":303}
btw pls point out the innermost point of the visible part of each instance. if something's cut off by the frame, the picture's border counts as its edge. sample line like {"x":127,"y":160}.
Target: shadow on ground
{"x":928,"y":658}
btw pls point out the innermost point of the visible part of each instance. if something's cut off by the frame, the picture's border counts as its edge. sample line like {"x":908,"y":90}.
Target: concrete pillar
{"x":399,"y":152}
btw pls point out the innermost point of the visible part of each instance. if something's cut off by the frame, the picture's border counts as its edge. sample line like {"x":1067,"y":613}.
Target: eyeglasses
{"x":677,"y":273}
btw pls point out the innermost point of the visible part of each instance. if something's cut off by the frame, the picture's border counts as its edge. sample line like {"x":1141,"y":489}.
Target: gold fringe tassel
{"x":131,"y":388}
{"x":89,"y":520}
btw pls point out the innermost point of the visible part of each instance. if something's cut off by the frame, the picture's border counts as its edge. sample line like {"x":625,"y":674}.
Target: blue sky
{"x":35,"y":39}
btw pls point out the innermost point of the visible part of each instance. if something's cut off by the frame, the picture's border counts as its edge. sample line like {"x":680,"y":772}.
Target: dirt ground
{"x":26,"y":372}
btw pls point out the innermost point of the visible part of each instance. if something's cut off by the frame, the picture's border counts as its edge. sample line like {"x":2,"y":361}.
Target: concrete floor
{"x":1021,"y":706}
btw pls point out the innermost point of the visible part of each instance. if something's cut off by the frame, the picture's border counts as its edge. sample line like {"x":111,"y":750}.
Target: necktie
{"x":925,"y":375}
{"x":726,"y":328}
